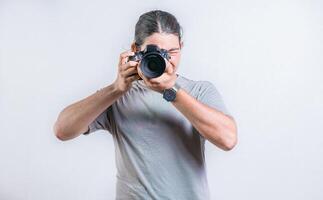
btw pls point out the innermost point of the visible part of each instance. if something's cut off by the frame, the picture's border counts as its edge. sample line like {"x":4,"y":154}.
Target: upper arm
{"x":102,"y":122}
{"x":210,"y":96}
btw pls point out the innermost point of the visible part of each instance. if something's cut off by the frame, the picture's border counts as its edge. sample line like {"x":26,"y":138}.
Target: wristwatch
{"x":170,"y":94}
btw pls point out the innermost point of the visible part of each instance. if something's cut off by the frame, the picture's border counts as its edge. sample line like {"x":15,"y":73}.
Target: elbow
{"x":230,"y":144}
{"x":227,"y":142}
{"x":232,"y":138}
{"x":226,"y":137}
{"x":59,"y":132}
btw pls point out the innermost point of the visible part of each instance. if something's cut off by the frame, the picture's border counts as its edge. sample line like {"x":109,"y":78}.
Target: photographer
{"x":160,"y":123}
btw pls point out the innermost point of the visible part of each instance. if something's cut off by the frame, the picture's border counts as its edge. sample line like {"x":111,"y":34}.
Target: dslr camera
{"x":152,"y":59}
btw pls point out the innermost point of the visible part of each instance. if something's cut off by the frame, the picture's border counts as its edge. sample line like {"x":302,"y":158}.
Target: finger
{"x":140,"y":73}
{"x":163,"y":78}
{"x":128,"y":65}
{"x":133,"y":78}
{"x":169,"y":68}
{"x":130,"y":72}
{"x":124,"y":56}
{"x":148,"y":82}
{"x":159,"y":79}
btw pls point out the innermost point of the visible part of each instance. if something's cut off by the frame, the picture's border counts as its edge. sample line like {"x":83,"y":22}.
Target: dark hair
{"x":156,"y":21}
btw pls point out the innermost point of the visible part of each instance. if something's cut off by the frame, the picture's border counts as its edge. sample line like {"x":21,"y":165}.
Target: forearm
{"x":75,"y":118}
{"x":212,"y":124}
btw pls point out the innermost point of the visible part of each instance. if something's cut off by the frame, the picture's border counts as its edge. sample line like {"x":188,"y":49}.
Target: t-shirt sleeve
{"x":102,"y":122}
{"x":210,"y":96}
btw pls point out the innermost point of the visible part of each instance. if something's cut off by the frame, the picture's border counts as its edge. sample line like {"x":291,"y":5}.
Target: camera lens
{"x":153,"y":65}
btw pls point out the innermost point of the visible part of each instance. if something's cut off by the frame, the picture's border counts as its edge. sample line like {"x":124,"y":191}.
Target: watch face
{"x":169,"y":95}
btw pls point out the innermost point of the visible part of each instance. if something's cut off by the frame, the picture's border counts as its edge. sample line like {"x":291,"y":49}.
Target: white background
{"x":265,"y":58}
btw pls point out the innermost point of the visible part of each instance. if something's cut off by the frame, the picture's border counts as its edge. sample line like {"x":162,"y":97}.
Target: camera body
{"x":152,"y":59}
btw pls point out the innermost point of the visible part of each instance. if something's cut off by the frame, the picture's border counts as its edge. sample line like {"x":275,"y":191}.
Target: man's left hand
{"x":165,"y":81}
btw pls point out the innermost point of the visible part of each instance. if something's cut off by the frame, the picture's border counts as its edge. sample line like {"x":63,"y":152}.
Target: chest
{"x":148,"y":114}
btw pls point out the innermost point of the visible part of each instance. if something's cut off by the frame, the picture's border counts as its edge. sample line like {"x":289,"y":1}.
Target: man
{"x":159,"y":125}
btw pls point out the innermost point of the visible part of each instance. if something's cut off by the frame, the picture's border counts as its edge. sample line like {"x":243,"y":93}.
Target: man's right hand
{"x":127,"y":72}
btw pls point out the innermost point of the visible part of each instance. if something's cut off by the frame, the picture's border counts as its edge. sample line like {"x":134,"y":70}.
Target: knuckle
{"x":125,"y":54}
{"x":120,"y":69}
{"x":133,"y":63}
{"x":124,"y":66}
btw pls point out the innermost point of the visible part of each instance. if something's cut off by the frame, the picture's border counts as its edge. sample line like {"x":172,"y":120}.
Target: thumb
{"x":169,"y":69}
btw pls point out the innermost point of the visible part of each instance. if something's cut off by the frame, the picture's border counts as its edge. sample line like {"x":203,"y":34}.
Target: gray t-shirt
{"x":159,"y":154}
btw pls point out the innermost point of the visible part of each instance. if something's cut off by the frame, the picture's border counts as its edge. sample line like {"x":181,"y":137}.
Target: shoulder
{"x":206,"y":88}
{"x":184,"y":81}
{"x":205,"y":84}
{"x":196,"y":87}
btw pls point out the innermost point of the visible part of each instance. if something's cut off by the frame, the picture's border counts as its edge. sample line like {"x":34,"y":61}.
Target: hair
{"x":156,"y":21}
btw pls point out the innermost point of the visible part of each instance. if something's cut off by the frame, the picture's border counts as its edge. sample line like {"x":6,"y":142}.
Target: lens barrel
{"x":153,"y":62}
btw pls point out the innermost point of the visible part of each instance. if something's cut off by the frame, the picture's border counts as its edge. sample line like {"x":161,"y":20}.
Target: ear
{"x":181,"y":44}
{"x":134,"y":47}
